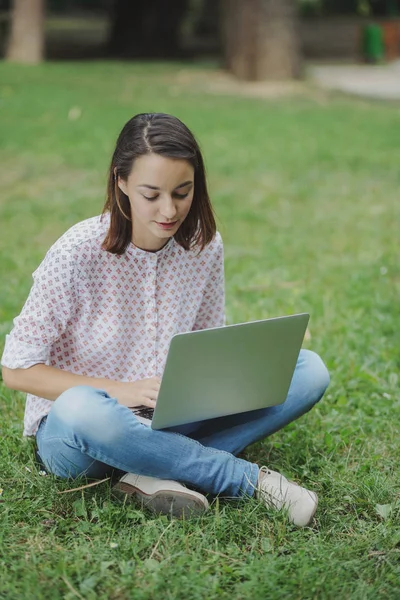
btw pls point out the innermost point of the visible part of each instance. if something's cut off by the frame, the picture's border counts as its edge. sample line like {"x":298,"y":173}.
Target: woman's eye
{"x":178,"y":196}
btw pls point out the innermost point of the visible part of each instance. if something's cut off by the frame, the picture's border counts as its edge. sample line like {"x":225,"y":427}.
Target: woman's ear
{"x":122,"y":185}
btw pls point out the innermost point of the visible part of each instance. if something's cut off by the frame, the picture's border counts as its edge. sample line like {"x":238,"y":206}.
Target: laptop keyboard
{"x":143,"y":411}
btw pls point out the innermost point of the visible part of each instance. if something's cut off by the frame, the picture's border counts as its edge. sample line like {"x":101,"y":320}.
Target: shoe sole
{"x":175,"y":504}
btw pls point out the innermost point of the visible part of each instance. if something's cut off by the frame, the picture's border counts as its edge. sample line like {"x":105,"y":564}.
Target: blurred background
{"x":255,"y":39}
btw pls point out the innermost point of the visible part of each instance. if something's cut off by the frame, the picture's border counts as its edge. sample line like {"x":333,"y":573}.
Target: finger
{"x":149,"y":402}
{"x":150,"y":394}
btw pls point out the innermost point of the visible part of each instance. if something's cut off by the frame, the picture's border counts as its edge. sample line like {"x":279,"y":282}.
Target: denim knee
{"x":83,"y":409}
{"x":315,"y":372}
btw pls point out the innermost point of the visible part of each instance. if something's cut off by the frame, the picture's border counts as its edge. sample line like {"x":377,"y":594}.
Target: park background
{"x":304,"y":180}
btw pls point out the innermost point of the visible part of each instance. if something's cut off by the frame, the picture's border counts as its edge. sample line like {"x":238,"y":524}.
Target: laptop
{"x":226,"y":370}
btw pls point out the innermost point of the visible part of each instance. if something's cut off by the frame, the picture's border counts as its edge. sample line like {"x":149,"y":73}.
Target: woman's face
{"x":160,"y":191}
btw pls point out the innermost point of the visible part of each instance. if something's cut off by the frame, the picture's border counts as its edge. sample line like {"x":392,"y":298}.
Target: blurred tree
{"x":260,"y":39}
{"x":26,"y":40}
{"x":146,"y":28}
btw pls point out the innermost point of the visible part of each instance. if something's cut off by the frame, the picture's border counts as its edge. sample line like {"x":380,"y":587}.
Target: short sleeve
{"x":212,"y":309}
{"x":50,"y":305}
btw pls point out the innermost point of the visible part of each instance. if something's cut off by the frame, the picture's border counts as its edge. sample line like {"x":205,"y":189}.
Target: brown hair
{"x":157,"y":133}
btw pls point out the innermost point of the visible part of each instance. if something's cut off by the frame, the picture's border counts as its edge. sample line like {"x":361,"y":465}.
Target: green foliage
{"x":306,"y":194}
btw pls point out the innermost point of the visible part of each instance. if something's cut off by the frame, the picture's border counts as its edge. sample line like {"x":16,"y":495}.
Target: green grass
{"x":306,"y":193}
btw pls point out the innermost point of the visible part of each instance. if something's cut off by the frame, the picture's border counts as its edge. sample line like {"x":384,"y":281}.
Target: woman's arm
{"x":49,"y":382}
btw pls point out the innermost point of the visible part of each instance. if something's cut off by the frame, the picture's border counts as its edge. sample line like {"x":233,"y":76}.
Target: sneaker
{"x":163,"y":495}
{"x":277,"y":492}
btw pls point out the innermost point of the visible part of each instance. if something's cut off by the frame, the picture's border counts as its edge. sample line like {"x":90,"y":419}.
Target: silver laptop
{"x":226,"y":370}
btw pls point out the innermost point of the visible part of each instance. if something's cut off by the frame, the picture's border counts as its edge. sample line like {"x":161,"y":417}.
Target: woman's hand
{"x":137,"y":393}
{"x":49,"y":382}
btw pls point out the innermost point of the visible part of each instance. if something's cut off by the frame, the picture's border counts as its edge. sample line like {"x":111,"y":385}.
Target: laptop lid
{"x":228,"y":370}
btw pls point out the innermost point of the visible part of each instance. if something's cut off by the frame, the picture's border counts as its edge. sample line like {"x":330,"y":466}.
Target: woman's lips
{"x":167,"y":225}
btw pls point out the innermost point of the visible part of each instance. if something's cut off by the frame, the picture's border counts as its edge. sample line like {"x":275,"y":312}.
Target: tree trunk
{"x":26,"y":42}
{"x":261,"y":39}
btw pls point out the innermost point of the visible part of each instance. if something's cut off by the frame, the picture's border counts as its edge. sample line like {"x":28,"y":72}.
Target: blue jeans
{"x":89,"y":433}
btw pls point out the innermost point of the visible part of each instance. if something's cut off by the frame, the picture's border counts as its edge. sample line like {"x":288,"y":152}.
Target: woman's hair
{"x":157,"y":133}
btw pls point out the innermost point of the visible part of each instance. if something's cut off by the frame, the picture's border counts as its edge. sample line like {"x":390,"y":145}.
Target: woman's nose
{"x":168,"y":208}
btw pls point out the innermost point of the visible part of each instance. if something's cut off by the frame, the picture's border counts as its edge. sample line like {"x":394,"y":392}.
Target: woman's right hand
{"x":143,"y":392}
{"x":49,"y":382}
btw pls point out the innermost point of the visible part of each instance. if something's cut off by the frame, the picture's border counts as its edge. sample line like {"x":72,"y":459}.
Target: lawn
{"x":306,"y":194}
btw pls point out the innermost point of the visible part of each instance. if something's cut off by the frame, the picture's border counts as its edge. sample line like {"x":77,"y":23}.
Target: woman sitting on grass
{"x":92,"y":338}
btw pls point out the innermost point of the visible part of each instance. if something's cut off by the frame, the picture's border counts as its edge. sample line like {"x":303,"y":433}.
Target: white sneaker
{"x":163,"y":495}
{"x":277,"y":492}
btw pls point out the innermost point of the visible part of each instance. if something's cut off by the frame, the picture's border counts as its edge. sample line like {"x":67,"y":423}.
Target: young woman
{"x":92,"y":338}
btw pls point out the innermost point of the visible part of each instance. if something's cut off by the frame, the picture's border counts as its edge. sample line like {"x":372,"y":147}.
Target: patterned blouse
{"x":99,"y":314}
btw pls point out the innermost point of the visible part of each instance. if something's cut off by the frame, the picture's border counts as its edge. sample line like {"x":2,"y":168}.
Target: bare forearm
{"x":49,"y":382}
